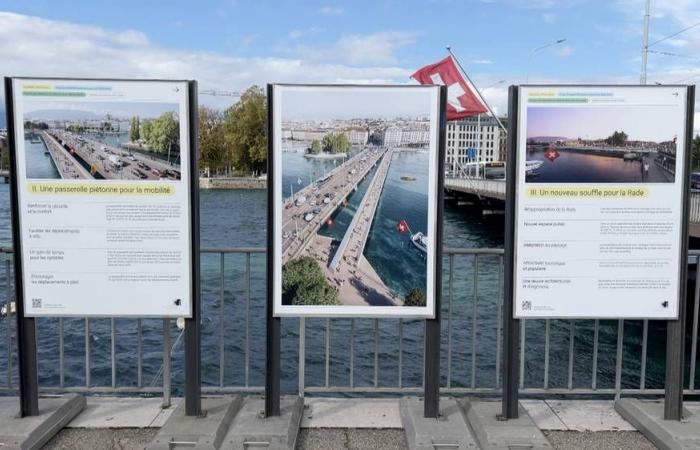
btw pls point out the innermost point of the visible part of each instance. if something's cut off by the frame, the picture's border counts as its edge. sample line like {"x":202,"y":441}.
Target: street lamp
{"x":536,"y":50}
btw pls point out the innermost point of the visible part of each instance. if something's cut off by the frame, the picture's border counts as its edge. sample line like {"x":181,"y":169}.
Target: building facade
{"x":483,"y":134}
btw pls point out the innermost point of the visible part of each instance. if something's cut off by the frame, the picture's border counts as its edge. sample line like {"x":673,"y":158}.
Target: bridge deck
{"x":66,"y":165}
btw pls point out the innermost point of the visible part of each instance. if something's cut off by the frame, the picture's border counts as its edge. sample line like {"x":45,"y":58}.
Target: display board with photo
{"x":355,"y":179}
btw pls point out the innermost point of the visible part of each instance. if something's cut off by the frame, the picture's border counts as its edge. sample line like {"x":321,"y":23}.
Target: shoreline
{"x":325,"y":155}
{"x":233,"y":183}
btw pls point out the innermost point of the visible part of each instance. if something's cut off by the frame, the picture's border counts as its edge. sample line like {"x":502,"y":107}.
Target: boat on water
{"x":420,"y":241}
{"x":532,"y":166}
{"x":408,"y":178}
{"x":631,"y":156}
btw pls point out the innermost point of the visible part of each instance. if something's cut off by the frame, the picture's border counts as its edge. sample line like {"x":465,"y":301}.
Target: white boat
{"x":420,"y":241}
{"x":532,"y":166}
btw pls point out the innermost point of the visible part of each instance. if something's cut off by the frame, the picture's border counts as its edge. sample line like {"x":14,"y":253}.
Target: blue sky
{"x":228,"y":45}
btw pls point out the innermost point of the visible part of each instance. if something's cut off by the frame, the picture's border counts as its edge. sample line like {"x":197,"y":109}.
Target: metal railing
{"x":694,"y":207}
{"x":357,"y":356}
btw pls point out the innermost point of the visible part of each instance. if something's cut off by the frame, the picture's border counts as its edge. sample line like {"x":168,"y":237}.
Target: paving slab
{"x":206,"y":432}
{"x":492,"y":433}
{"x":351,"y":439}
{"x":35,"y":431}
{"x":589,"y":415}
{"x":545,"y":418}
{"x":351,"y":413}
{"x":101,"y":439}
{"x":599,"y":440}
{"x":122,"y":412}
{"x":251,"y":429}
{"x":449,"y":430}
{"x":647,"y":417}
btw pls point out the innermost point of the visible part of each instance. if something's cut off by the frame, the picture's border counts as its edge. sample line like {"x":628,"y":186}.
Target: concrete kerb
{"x":251,"y":429}
{"x":493,"y":433}
{"x":35,"y":431}
{"x":205,"y":432}
{"x":647,"y":417}
{"x":447,"y":431}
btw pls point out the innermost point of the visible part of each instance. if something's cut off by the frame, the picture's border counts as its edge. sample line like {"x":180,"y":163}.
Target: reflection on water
{"x":574,"y":167}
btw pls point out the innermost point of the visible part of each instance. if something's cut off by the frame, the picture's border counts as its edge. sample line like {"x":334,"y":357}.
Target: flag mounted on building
{"x":463,"y":100}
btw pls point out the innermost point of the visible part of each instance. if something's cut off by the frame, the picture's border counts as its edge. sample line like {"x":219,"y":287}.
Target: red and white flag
{"x":463,"y":100}
{"x":402,"y":226}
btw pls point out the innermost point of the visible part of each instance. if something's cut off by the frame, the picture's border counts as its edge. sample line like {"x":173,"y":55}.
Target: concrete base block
{"x":35,"y":431}
{"x":251,"y":429}
{"x":447,"y":431}
{"x":493,"y":433}
{"x":205,"y":432}
{"x":647,"y":417}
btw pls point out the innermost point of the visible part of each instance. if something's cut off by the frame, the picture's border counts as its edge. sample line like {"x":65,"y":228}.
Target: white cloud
{"x":331,"y":11}
{"x":31,"y":46}
{"x":357,"y":49}
{"x":482,"y":61}
{"x":297,"y":34}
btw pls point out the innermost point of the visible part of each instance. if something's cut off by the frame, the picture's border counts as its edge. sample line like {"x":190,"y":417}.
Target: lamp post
{"x":536,"y":50}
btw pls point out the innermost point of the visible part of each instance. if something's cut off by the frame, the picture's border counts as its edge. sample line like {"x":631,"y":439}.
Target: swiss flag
{"x":402,"y":226}
{"x":462,"y":98}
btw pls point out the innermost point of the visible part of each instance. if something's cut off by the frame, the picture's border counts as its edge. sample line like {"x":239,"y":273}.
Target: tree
{"x":303,"y":283}
{"x":315,"y":147}
{"x":415,"y":297}
{"x":245,"y":125}
{"x":212,"y":139}
{"x":134,"y":134}
{"x":696,"y":151}
{"x":335,"y":143}
{"x":164,"y":135}
{"x":145,"y":130}
{"x":617,"y":139}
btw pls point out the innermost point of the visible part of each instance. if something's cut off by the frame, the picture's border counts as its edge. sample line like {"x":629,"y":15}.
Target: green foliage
{"x":335,"y":143}
{"x":415,"y":298}
{"x":303,"y":283}
{"x":315,"y":147}
{"x":75,"y":128}
{"x":696,"y":151}
{"x":617,"y":139}
{"x":164,"y":134}
{"x":145,"y":130}
{"x":35,"y":125}
{"x":212,"y":139}
{"x":134,"y":134}
{"x":245,"y":125}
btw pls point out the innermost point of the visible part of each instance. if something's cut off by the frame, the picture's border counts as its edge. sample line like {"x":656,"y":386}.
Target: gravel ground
{"x":355,"y":439}
{"x":101,"y":439}
{"x":599,"y":440}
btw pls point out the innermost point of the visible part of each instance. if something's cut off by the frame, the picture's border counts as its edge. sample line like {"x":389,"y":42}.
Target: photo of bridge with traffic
{"x":102,"y":141}
{"x":355,"y":197}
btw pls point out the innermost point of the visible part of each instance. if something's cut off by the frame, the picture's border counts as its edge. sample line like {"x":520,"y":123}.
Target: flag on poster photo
{"x":463,"y":100}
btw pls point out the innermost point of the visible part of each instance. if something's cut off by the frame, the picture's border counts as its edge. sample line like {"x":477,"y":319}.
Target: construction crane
{"x":220,"y":93}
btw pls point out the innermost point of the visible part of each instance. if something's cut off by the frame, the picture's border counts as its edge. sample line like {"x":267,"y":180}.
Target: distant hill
{"x":62,"y":114}
{"x":547,"y":138}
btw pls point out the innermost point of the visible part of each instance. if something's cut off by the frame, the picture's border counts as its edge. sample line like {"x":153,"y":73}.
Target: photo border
{"x":435,"y":209}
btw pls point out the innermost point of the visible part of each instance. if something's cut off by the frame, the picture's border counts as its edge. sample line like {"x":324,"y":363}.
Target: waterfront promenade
{"x":67,"y":166}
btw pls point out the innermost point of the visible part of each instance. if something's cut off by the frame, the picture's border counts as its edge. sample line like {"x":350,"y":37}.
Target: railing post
{"x":510,"y":324}
{"x":166,"y":363}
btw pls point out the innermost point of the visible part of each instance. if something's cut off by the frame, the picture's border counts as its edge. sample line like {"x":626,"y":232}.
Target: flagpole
{"x":449,"y":50}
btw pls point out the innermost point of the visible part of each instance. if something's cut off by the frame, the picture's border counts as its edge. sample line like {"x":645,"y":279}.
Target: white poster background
{"x":566,"y":258}
{"x":65,"y":252}
{"x":432,"y":109}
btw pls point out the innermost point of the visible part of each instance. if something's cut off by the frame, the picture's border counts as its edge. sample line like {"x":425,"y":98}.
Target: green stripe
{"x":557,"y":100}
{"x":53,"y":94}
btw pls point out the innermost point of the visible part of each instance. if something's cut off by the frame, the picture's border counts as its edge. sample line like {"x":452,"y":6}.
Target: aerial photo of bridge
{"x":102,"y":141}
{"x":355,"y":198}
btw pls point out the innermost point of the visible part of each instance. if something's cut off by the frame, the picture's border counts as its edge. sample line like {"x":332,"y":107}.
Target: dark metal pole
{"x":26,"y":328}
{"x":272,"y":362}
{"x":675,"y":332}
{"x":431,"y":404}
{"x":509,"y":409}
{"x":193,"y":357}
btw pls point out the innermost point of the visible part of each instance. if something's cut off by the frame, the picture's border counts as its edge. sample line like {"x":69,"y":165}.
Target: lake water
{"x":575,"y":167}
{"x":237,"y":218}
{"x":39,"y":164}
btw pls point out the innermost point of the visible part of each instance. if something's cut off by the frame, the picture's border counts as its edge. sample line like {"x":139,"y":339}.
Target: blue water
{"x":238,"y":218}
{"x":39,"y":164}
{"x":574,"y":167}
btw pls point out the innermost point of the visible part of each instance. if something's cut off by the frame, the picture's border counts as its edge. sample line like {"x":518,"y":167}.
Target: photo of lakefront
{"x":355,"y":169}
{"x":101,"y":140}
{"x":600,"y":145}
